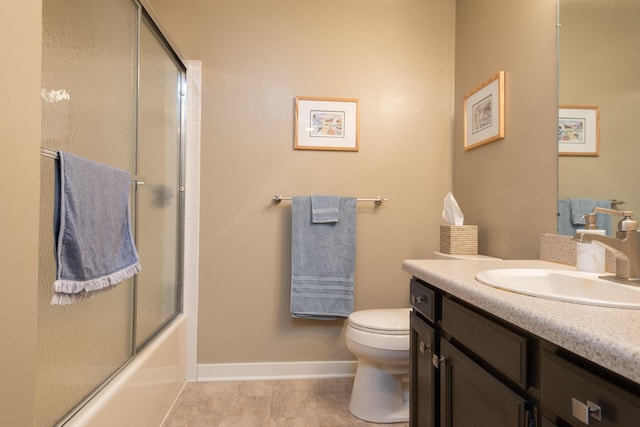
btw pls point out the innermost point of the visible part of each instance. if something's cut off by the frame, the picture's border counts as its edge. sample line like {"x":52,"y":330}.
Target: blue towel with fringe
{"x":94,"y":244}
{"x":322,"y":261}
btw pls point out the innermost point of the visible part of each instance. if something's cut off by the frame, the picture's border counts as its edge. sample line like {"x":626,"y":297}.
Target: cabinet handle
{"x":424,"y":347}
{"x":416,"y":299}
{"x":435,"y":361}
{"x":584,"y":412}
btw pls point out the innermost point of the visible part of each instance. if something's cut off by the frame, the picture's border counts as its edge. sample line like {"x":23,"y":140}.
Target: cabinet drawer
{"x":504,"y":349}
{"x":422,"y":299}
{"x":567,"y":388}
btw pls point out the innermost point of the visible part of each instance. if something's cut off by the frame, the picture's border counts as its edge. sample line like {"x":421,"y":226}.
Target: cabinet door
{"x":423,"y":379}
{"x":470,"y":396}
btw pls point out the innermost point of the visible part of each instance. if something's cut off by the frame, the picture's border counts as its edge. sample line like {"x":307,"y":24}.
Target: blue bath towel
{"x":94,"y":244}
{"x":322,"y":261}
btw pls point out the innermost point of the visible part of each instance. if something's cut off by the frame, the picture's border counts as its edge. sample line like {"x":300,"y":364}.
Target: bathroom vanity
{"x":482,"y":356}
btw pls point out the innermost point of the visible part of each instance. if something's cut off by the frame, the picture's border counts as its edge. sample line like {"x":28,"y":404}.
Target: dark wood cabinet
{"x":470,"y":368}
{"x":449,"y":388}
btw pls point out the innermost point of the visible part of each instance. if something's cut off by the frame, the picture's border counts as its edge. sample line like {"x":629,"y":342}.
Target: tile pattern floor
{"x":277,"y":403}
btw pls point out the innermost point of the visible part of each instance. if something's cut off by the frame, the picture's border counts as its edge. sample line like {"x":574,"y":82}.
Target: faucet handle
{"x":626,"y":223}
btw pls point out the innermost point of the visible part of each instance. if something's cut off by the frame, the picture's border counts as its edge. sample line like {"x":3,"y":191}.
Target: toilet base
{"x":379,"y":396}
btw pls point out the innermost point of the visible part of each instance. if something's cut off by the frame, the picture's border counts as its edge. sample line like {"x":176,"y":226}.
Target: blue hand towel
{"x":322,"y":261}
{"x":94,"y":244}
{"x":325,"y":209}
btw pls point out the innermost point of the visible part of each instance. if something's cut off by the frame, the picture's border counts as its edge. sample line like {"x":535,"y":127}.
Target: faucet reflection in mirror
{"x":625,"y":246}
{"x":571,"y":215}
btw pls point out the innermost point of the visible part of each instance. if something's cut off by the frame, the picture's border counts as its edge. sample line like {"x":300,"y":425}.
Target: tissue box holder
{"x":459,"y":239}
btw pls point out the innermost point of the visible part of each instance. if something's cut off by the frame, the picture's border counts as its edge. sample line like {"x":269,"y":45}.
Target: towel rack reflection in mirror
{"x":377,"y":200}
{"x":48,"y":152}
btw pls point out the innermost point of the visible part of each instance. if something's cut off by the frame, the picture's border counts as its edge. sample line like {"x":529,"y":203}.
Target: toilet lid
{"x":390,"y":321}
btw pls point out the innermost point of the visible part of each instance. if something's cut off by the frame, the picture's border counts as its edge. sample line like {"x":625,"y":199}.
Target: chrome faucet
{"x":625,"y":246}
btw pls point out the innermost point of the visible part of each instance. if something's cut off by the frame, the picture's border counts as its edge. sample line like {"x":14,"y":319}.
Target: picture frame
{"x":484,"y":112}
{"x":327,"y":124}
{"x":579,"y":130}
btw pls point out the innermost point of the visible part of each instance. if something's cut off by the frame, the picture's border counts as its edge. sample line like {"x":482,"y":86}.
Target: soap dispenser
{"x":590,"y":257}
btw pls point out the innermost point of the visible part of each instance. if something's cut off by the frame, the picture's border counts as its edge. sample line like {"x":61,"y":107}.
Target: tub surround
{"x":607,"y":336}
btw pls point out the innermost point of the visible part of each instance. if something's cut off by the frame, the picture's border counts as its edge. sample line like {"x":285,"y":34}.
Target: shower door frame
{"x":145,"y":18}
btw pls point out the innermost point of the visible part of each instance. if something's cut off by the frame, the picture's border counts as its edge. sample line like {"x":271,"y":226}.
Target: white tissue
{"x":451,"y":212}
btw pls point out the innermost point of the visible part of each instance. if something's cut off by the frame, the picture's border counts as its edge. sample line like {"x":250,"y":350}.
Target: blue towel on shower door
{"x":94,"y":244}
{"x":322,"y":261}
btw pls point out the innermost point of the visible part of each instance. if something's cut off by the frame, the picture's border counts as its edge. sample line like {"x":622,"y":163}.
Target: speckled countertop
{"x":609,"y":337}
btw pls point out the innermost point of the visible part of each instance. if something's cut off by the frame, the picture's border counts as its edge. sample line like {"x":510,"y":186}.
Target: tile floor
{"x":277,"y":403}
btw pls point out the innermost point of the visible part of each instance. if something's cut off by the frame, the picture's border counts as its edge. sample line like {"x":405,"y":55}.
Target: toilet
{"x":379,"y":338}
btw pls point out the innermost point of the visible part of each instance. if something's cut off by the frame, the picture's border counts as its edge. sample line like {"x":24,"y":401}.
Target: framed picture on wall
{"x":484,"y":112}
{"x":326,"y":124}
{"x":578,"y":130}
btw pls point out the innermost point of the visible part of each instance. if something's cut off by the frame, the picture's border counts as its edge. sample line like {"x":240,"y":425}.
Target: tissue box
{"x":459,"y":239}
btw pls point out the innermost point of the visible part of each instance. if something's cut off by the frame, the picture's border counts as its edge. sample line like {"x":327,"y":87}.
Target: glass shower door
{"x":111,"y":92}
{"x":89,"y":74}
{"x":160,"y":198}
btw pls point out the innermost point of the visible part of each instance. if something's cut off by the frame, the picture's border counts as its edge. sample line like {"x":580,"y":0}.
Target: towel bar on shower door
{"x":48,"y":152}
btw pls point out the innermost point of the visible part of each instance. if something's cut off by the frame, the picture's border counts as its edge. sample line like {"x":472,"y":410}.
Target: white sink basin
{"x":563,"y":285}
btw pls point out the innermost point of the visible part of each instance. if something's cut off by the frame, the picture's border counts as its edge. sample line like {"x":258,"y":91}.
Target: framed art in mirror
{"x":326,"y":124}
{"x":484,"y":112}
{"x":578,"y":130}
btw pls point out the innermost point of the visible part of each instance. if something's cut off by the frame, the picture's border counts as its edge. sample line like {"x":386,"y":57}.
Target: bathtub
{"x":143,"y":392}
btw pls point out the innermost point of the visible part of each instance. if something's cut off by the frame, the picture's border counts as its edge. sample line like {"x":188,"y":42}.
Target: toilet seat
{"x":383,"y":329}
{"x":388,"y":321}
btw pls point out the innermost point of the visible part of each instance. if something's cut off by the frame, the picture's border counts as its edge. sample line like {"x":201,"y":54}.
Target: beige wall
{"x":509,"y":187}
{"x":20,"y":42}
{"x":397,"y":58}
{"x":599,"y":65}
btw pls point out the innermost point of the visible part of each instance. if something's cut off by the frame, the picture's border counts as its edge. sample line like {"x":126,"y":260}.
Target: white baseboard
{"x":275,"y":370}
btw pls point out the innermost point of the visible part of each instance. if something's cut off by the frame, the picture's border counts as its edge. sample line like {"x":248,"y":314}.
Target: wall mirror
{"x":599,"y":65}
